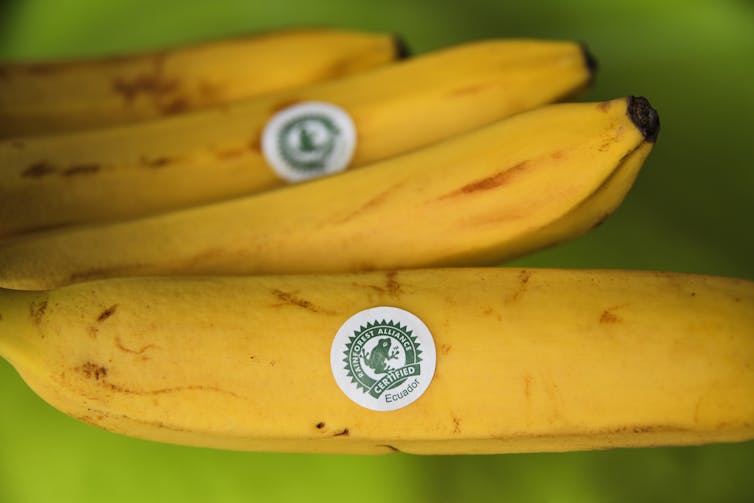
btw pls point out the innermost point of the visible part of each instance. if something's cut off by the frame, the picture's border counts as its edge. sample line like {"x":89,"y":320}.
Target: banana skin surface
{"x":516,"y":186}
{"x":527,"y":359}
{"x":216,"y":153}
{"x":48,"y":97}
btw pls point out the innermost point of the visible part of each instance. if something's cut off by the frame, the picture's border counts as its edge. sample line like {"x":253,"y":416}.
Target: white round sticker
{"x":383,"y":358}
{"x":309,"y":140}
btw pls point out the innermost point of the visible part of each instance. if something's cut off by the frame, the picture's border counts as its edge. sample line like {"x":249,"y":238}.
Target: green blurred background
{"x":690,"y":210}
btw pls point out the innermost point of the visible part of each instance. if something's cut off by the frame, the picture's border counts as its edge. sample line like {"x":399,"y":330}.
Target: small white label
{"x":383,"y":358}
{"x":309,"y":140}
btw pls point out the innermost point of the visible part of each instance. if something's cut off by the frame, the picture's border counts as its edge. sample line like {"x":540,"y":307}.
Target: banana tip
{"x":590,"y":60}
{"x":402,"y":50}
{"x":644,"y":117}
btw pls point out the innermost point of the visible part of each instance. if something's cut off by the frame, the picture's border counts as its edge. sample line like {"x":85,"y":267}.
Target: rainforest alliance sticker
{"x":383,"y":358}
{"x":309,"y":140}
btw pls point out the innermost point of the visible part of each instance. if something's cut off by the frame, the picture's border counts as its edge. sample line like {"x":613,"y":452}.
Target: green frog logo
{"x":377,"y":358}
{"x":307,"y":141}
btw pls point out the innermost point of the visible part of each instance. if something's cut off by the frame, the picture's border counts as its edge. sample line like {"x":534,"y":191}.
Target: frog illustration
{"x":377,"y":359}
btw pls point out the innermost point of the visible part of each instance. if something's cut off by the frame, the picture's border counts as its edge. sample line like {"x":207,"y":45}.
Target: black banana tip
{"x":402,"y":51}
{"x":644,"y":117}
{"x":590,"y":60}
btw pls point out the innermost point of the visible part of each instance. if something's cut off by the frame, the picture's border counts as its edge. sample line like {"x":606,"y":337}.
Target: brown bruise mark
{"x":93,"y":331}
{"x":255,"y":144}
{"x":558,"y":155}
{"x":523,"y":284}
{"x":392,"y":448}
{"x":456,"y":425}
{"x":152,"y":83}
{"x":81,"y":169}
{"x":343,"y":433}
{"x":291,"y":298}
{"x":369,"y":204}
{"x":604,"y":106}
{"x":119,"y":344}
{"x":320,"y":425}
{"x":608,"y":317}
{"x":392,"y":286}
{"x":93,"y":371}
{"x":490,"y":182}
{"x":445,"y":348}
{"x":175,"y":106}
{"x":38,"y":169}
{"x":157,"y":162}
{"x":468,"y":90}
{"x":37,"y":310}
{"x":230,"y":153}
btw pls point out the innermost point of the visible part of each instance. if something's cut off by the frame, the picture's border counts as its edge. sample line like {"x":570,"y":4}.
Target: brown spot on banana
{"x":157,"y":162}
{"x":230,"y":153}
{"x":152,"y":83}
{"x":490,"y":182}
{"x":456,"y":425}
{"x":255,"y":144}
{"x":392,"y":286}
{"x":392,"y":448}
{"x":343,"y":433}
{"x":523,"y":283}
{"x":37,"y":310}
{"x":608,"y":317}
{"x":38,"y":169}
{"x":291,"y":298}
{"x":119,"y":344}
{"x":175,"y":106}
{"x":93,"y":371}
{"x":81,"y":169}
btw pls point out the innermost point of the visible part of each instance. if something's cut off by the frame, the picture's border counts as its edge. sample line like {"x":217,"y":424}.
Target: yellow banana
{"x":526,"y":182}
{"x":526,"y":360}
{"x":217,"y":153}
{"x":50,"y":97}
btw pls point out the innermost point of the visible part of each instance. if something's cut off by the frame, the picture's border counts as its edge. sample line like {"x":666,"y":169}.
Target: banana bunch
{"x":513,"y":187}
{"x":180,"y":300}
{"x":61,"y":96}
{"x":223,"y":152}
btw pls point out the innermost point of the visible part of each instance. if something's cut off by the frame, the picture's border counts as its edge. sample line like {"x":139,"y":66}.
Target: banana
{"x":526,"y":360}
{"x":62,"y":96}
{"x":218,"y":153}
{"x":524,"y":183}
